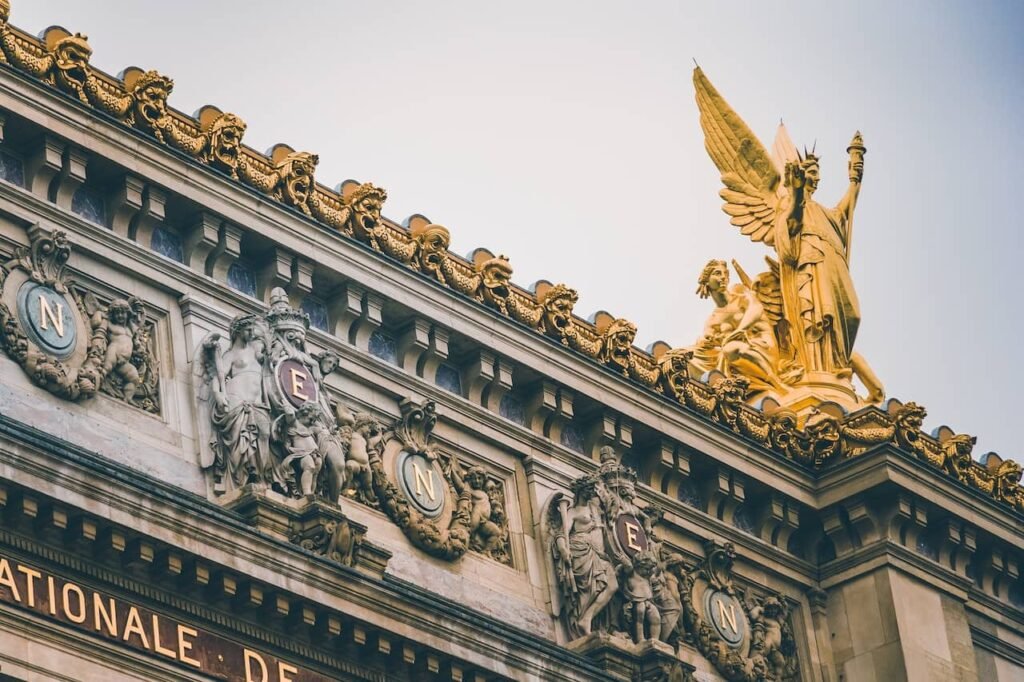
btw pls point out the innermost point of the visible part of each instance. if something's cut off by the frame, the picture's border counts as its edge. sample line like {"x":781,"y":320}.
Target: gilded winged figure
{"x":772,"y":201}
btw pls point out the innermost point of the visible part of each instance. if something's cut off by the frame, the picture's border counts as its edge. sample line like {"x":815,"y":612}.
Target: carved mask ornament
{"x":433,"y":241}
{"x":295,"y":184}
{"x":71,"y":59}
{"x":225,"y":143}
{"x":366,"y":202}
{"x":149,"y":100}
{"x":557,"y":304}
{"x":618,"y":342}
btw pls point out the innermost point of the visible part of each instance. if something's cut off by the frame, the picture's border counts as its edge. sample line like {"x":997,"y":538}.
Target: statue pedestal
{"x":314,"y":525}
{"x":648,"y":661}
{"x":817,"y":388}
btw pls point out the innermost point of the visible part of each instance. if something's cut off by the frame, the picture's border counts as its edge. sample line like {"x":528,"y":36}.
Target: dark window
{"x":317,"y":312}
{"x":11,"y":168}
{"x":572,"y":437}
{"x":383,"y":346}
{"x":448,"y":378}
{"x":89,"y":204}
{"x":168,"y":243}
{"x":241,"y":278}
{"x":511,"y":408}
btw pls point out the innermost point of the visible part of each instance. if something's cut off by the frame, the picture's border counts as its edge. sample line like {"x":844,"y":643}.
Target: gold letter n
{"x":45,"y":311}
{"x":422,"y":481}
{"x":727,"y":616}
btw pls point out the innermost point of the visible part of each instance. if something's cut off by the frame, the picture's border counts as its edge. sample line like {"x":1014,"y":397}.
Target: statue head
{"x":295,"y":179}
{"x":71,"y":57}
{"x":957,"y":450}
{"x":557,"y":304}
{"x":308,"y":413}
{"x":366,"y":202}
{"x":119,"y":311}
{"x":584,"y":488}
{"x":812,"y":172}
{"x":476,"y":477}
{"x":225,"y":143}
{"x":329,"y":361}
{"x":618,"y":342}
{"x":675,"y":563}
{"x":644,"y":563}
{"x":732,"y":390}
{"x":149,"y":98}
{"x":714,"y":277}
{"x":773,"y":608}
{"x":243,"y":327}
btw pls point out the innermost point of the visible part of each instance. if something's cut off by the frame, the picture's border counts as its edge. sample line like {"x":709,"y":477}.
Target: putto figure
{"x":125,"y":325}
{"x":738,"y":337}
{"x":771,"y":201}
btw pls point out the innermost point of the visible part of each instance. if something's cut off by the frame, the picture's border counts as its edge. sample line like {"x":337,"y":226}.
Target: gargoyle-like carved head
{"x":366,"y":202}
{"x":674,"y":366}
{"x":732,"y":390}
{"x":618,"y":342}
{"x":910,"y":417}
{"x":822,"y":431}
{"x":71,"y":57}
{"x":714,"y":277}
{"x":957,"y":451}
{"x":149,"y":99}
{"x":557,"y":303}
{"x":295,"y":179}
{"x":433,"y":241}
{"x":495,"y":276}
{"x":225,"y":143}
{"x":783,"y":430}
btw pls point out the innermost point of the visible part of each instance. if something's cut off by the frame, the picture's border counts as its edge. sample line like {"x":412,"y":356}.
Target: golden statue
{"x":771,"y":201}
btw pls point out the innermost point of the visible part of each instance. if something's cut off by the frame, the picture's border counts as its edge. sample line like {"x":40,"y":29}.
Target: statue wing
{"x":768,"y":289}
{"x":751,"y":193}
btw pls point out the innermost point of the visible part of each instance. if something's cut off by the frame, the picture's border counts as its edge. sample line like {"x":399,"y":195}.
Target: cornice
{"x":886,"y":464}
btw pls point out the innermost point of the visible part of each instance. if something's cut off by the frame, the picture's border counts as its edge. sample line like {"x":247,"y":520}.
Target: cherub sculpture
{"x":640,"y":610}
{"x":125,"y":321}
{"x":738,"y":337}
{"x":472,"y":487}
{"x":299,"y":432}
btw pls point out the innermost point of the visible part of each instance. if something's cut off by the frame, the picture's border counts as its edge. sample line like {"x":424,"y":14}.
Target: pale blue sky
{"x":565,"y":135}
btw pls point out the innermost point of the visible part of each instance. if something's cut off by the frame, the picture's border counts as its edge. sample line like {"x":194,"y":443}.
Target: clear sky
{"x":565,"y":135}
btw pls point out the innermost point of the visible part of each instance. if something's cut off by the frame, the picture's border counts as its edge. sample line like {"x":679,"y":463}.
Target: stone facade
{"x":274,"y":453}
